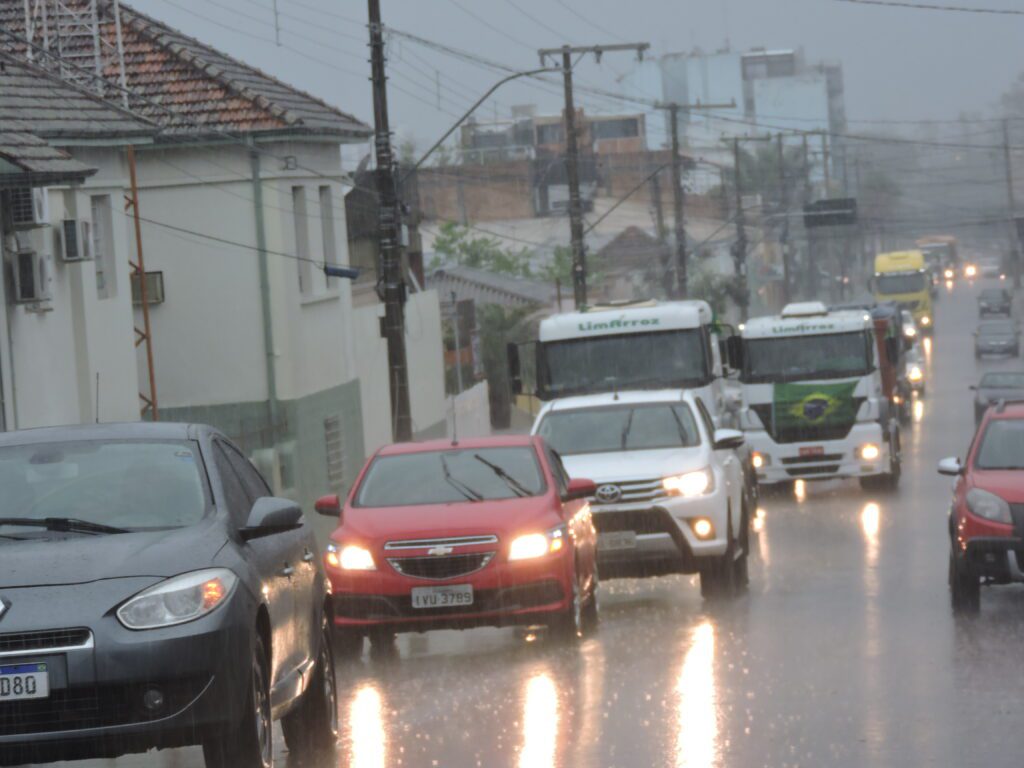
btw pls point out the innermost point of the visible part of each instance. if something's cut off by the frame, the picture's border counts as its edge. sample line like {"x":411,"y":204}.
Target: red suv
{"x":986,"y":521}
{"x":445,"y":535}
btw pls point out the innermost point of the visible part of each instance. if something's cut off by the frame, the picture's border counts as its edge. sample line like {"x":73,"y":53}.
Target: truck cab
{"x":902,"y":278}
{"x":647,"y":345}
{"x":814,"y":404}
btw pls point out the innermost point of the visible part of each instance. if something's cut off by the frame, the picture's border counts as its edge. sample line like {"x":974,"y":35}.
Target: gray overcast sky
{"x":899,"y":63}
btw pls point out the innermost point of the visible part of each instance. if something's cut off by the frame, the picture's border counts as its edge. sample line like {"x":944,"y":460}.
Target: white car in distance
{"x":670,"y":495}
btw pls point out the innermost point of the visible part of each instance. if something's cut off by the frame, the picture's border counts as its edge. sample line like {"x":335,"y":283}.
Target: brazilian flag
{"x":799,"y":406}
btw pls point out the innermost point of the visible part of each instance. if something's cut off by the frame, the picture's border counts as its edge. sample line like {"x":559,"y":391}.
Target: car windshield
{"x":1002,"y":445}
{"x":997,"y":329}
{"x":620,"y":428}
{"x":132,"y":485}
{"x":891,"y":285}
{"x":837,"y":355}
{"x":628,"y":361}
{"x":1002,"y":380}
{"x":451,"y":477}
{"x":990,"y":294}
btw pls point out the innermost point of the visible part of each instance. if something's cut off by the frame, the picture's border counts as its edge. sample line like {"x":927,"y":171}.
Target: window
{"x":103,"y":246}
{"x":327,"y":225}
{"x":301,"y":217}
{"x":793,"y":358}
{"x":335,"y":454}
{"x":705,"y":416}
{"x":237,"y":499}
{"x":622,"y":128}
{"x":611,"y":429}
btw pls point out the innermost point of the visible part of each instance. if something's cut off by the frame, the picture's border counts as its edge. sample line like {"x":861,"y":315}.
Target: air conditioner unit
{"x":75,"y":240}
{"x":30,"y":207}
{"x":31,"y":278}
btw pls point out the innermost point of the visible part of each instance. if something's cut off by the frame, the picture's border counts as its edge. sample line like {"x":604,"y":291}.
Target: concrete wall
{"x":469,"y":414}
{"x":489,"y":192}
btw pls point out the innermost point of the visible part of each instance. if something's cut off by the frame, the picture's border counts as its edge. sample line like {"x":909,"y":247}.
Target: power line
{"x":933,"y":7}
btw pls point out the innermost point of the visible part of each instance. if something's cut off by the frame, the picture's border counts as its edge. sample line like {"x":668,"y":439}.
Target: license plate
{"x":455,"y":596}
{"x":812,"y":451}
{"x":22,"y":682}
{"x":616,"y":540}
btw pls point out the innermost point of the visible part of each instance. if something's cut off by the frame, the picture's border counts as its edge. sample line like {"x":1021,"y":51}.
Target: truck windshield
{"x":667,"y":359}
{"x":796,"y":358}
{"x":891,"y":285}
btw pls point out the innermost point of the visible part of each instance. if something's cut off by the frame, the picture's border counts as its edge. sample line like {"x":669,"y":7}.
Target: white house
{"x":241,"y":206}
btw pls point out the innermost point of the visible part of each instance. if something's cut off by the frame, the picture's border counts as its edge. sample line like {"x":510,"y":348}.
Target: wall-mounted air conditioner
{"x":75,"y":240}
{"x":30,"y":207}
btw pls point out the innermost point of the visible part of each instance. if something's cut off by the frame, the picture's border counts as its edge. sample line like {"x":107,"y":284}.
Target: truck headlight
{"x":916,"y":374}
{"x":178,"y":600}
{"x":869,"y":452}
{"x":759,"y":460}
{"x":989,"y":506}
{"x":926,"y":321}
{"x":691,"y":484}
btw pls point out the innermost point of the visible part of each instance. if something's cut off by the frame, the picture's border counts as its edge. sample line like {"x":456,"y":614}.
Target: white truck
{"x":647,"y":345}
{"x":813,"y":398}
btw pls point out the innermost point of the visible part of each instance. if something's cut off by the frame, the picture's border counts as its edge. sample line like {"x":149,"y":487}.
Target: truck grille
{"x":633,"y":492}
{"x":441,"y":568}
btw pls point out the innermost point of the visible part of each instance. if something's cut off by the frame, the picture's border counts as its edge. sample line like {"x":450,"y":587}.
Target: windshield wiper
{"x":515,"y":486}
{"x":625,"y":429}
{"x":458,"y":485}
{"x":63,"y":525}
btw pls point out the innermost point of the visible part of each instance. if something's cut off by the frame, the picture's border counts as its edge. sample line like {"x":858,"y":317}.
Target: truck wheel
{"x":964,"y":587}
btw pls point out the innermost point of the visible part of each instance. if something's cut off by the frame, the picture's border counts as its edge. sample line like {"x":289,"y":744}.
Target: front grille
{"x":30,"y":642}
{"x":635,"y":492}
{"x":383,"y":607}
{"x":808,"y":471}
{"x":830,"y":457}
{"x":460,"y":541}
{"x":806,"y":433}
{"x":440,"y":568}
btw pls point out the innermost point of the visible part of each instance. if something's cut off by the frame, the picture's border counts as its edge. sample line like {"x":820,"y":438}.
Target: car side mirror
{"x":580,"y":489}
{"x":270,"y":516}
{"x":734,"y":352}
{"x":728,"y":439}
{"x":951,"y":467}
{"x":328,"y":506}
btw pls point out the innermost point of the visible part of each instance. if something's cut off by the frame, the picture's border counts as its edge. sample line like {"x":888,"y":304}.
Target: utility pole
{"x":825,"y":163}
{"x":1012,"y":206}
{"x":145,"y":334}
{"x":784,"y":239}
{"x":456,"y":322}
{"x":391,"y":283}
{"x":740,"y":249}
{"x":579,"y":254}
{"x":277,"y":26}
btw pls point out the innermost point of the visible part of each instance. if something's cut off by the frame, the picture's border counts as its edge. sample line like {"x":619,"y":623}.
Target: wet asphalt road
{"x":843,"y":653}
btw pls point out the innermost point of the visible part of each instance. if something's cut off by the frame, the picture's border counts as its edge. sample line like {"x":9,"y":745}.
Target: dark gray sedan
{"x":995,"y":301}
{"x":997,"y":337}
{"x":153,"y":594}
{"x":995,"y":386}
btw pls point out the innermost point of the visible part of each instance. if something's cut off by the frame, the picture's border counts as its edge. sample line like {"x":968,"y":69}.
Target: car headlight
{"x":350,"y":558}
{"x":971,"y":270}
{"x":533,"y":545}
{"x":178,"y":600}
{"x":926,"y":320}
{"x":916,"y":374}
{"x":948,"y":274}
{"x":910,"y":332}
{"x":989,"y":506}
{"x":691,"y":484}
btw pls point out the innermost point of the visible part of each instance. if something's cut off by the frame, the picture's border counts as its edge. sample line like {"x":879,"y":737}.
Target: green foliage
{"x":560,"y":267}
{"x":457,"y":244}
{"x":716,"y":289}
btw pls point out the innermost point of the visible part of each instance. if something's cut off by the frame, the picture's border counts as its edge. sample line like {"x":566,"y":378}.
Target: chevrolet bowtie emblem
{"x":440,"y":551}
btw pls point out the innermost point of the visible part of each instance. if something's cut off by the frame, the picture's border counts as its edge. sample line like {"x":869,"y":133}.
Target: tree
{"x":456,"y":244}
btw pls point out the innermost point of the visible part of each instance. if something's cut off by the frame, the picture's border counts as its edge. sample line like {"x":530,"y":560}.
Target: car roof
{"x":611,"y":399}
{"x":138,"y":430}
{"x":468,"y":444}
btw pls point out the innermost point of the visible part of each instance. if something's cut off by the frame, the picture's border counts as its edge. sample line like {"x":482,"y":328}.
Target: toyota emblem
{"x":609,"y":494}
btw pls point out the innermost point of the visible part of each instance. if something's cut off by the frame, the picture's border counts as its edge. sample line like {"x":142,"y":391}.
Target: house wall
{"x":488,"y":192}
{"x":59,"y":347}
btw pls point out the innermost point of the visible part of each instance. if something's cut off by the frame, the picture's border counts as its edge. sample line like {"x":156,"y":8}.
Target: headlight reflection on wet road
{"x":697,"y":739}
{"x":540,"y":723}
{"x":366,"y":729}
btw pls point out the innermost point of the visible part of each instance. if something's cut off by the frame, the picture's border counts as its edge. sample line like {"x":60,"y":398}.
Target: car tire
{"x":964,"y":587}
{"x":568,"y":625}
{"x":348,"y":645}
{"x":720,"y":578}
{"x":592,"y":608}
{"x":311,"y":729}
{"x":383,"y":644}
{"x":249,"y":743}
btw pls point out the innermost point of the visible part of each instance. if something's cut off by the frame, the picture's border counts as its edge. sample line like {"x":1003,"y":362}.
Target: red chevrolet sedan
{"x":444,"y":535}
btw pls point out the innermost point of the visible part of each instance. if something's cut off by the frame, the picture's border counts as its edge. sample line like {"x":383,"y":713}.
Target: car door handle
{"x":309,"y":557}
{"x":287,"y":571}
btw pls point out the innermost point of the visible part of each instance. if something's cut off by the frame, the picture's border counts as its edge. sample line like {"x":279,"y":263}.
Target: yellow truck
{"x":902,"y":277}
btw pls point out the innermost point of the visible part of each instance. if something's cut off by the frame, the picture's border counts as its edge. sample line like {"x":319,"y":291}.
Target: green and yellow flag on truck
{"x":814,"y":405}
